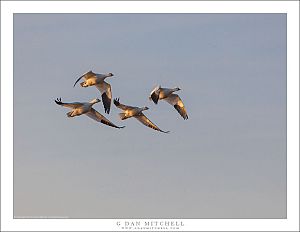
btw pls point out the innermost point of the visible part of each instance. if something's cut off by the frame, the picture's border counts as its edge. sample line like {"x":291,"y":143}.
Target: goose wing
{"x":143,"y":119}
{"x":121,"y":106}
{"x":105,"y":90}
{"x":86,"y":76}
{"x":94,"y":114}
{"x":154,"y":95}
{"x":72,"y":105}
{"x":175,"y":101}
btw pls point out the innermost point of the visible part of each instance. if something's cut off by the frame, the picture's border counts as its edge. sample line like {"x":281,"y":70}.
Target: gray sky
{"x":228,"y":160}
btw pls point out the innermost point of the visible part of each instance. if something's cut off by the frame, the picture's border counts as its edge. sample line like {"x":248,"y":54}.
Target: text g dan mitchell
{"x":138,"y":224}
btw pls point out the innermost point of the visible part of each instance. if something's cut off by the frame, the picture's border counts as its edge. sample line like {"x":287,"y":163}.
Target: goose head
{"x":94,"y":101}
{"x":177,"y":89}
{"x":110,"y":75}
{"x":145,"y":108}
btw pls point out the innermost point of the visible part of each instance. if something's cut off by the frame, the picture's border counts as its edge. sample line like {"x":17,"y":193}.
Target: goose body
{"x":80,"y":108}
{"x":136,"y":112}
{"x":98,"y":80}
{"x":168,"y":95}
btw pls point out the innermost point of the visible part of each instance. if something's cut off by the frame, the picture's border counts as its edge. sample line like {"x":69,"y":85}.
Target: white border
{"x":7,"y":10}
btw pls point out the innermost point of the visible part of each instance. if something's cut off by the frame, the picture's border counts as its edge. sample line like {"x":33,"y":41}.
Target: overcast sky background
{"x":228,"y":160}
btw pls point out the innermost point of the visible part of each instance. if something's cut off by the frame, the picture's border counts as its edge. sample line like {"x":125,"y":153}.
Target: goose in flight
{"x":79,"y":108}
{"x":136,"y":112}
{"x":91,"y":78}
{"x":159,"y":93}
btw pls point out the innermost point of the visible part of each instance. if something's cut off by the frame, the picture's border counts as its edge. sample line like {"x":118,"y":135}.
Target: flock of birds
{"x":98,"y":80}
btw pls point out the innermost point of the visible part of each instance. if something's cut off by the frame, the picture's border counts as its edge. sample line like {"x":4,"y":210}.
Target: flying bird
{"x":79,"y":108}
{"x":168,"y":95}
{"x":91,"y":78}
{"x":136,"y":112}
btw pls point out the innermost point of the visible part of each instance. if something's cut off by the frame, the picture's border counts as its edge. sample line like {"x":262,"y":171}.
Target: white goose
{"x":79,"y":108}
{"x":159,"y":93}
{"x":136,"y":112}
{"x":91,"y":78}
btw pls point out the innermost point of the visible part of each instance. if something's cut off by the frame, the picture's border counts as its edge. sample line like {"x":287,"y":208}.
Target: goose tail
{"x":122,"y":116}
{"x":83,"y":84}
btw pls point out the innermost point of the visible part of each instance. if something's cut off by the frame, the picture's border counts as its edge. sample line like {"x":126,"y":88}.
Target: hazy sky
{"x":228,"y":160}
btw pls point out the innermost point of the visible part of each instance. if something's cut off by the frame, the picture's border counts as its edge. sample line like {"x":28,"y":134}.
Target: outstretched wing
{"x":154,"y":95}
{"x":86,"y":76}
{"x":105,"y":90}
{"x":121,"y":106}
{"x":94,"y":114}
{"x":175,"y":101}
{"x":68,"y":105}
{"x":143,"y":119}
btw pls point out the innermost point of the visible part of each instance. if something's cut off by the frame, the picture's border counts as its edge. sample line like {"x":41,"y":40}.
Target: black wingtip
{"x":106,"y":102}
{"x":117,"y":101}
{"x":58,"y":101}
{"x":179,"y":110}
{"x":154,"y":97}
{"x":185,"y":117}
